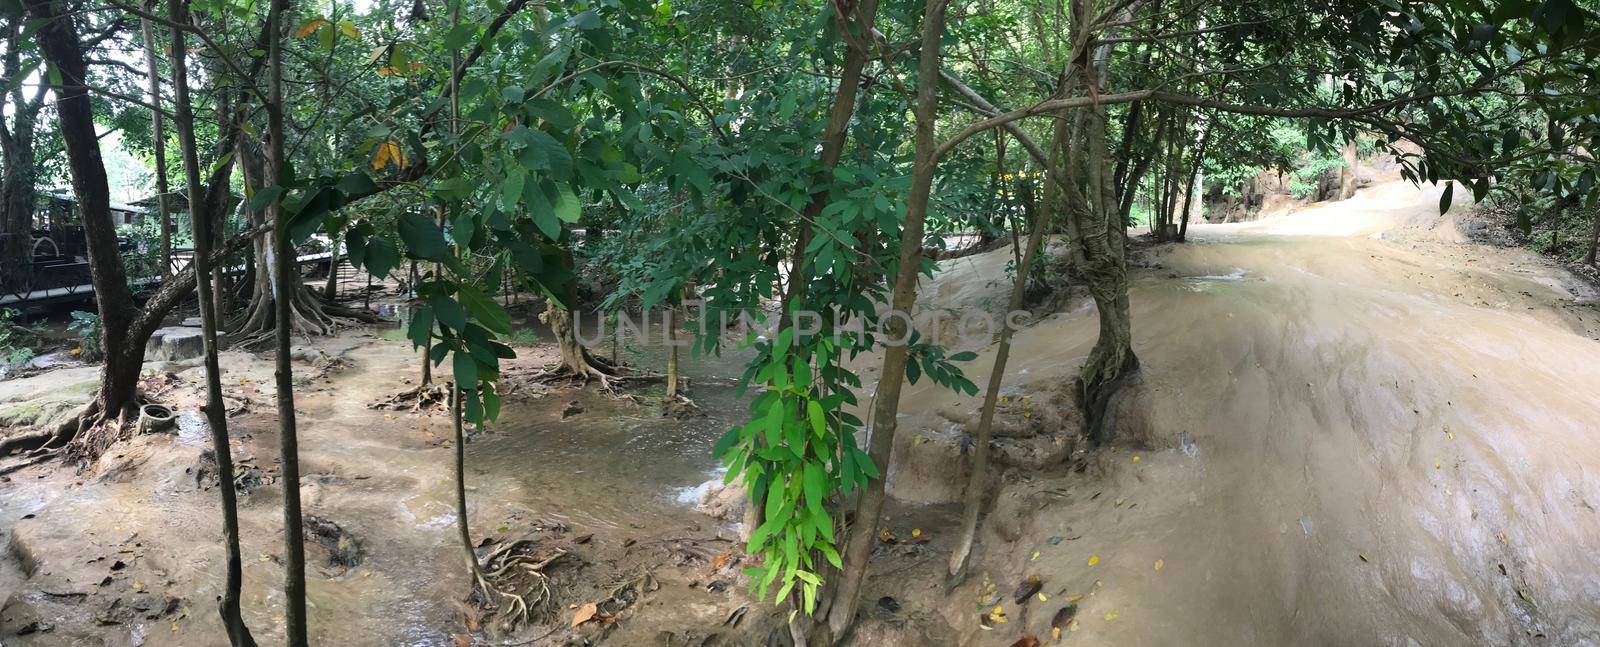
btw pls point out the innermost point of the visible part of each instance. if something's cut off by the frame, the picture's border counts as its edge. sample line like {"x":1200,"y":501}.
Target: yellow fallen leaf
{"x":1078,"y":597}
{"x":1503,"y":539}
{"x":1094,"y":559}
{"x":1135,"y":459}
{"x":1043,"y":597}
{"x":1055,"y":632}
{"x":1160,"y":563}
{"x":1111,"y":615}
{"x":1436,"y":465}
{"x":174,"y":627}
{"x":1118,"y":503}
{"x":916,"y":532}
{"x":137,"y":585}
{"x":1035,"y":556}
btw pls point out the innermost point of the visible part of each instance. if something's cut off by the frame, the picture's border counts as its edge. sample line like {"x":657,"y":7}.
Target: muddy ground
{"x":1354,"y":428}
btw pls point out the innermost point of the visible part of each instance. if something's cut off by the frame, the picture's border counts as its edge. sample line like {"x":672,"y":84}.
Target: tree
{"x":215,"y":409}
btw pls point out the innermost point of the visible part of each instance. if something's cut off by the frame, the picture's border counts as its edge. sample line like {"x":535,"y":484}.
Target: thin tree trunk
{"x":972,"y":503}
{"x":294,"y":584}
{"x":158,"y":136}
{"x":331,"y":290}
{"x":470,"y":551}
{"x":869,"y":507}
{"x":1194,"y":173}
{"x":1594,"y":238}
{"x":669,"y":322}
{"x":216,"y":415}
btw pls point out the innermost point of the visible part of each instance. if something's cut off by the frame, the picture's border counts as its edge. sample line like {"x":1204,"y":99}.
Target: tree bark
{"x":216,"y":414}
{"x":869,"y":507}
{"x":294,"y":585}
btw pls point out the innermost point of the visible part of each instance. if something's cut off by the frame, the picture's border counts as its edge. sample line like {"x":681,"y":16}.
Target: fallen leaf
{"x":1524,"y":594}
{"x":1026,"y":641}
{"x":1363,"y":557}
{"x":720,"y":561}
{"x":1035,"y":556}
{"x":1135,"y":459}
{"x":1503,"y":539}
{"x":1160,"y":563}
{"x":998,"y":614}
{"x":463,"y":640}
{"x":1118,"y":503}
{"x":585,"y":613}
{"x":1094,"y":559}
{"x":1064,"y":616}
{"x":1111,"y":615}
{"x":885,"y":536}
{"x":1026,"y":590}
{"x":1055,"y":633}
{"x":916,"y":532}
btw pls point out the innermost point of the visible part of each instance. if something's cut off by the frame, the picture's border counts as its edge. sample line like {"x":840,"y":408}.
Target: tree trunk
{"x":158,"y":137}
{"x":307,"y":316}
{"x":1098,"y":248}
{"x":1039,"y":219}
{"x":330,"y":291}
{"x":1594,"y":238}
{"x":1194,"y":173}
{"x":869,"y":507}
{"x":58,"y":41}
{"x":216,"y":414}
{"x":473,"y":566}
{"x":669,"y":324}
{"x":18,"y":189}
{"x":294,"y":585}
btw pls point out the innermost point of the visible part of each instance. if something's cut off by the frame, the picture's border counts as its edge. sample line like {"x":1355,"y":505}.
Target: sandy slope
{"x":1391,"y":440}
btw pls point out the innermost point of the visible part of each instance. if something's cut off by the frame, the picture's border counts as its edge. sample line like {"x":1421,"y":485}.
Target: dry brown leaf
{"x":1026,"y":641}
{"x":589,"y":611}
{"x":1026,"y":590}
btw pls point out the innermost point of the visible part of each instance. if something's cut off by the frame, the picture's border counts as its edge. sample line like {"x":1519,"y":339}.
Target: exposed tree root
{"x":423,"y":397}
{"x":311,"y":316}
{"x":513,"y":586}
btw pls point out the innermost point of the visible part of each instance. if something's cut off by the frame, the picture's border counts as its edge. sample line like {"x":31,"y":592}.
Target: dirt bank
{"x":1355,"y":432}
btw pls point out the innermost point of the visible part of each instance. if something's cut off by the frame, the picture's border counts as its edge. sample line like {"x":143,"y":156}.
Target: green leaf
{"x":485,"y":310}
{"x":568,"y":208}
{"x":460,"y":35}
{"x":357,"y":184}
{"x":381,"y":256}
{"x":422,"y":237}
{"x":466,"y":370}
{"x":1444,"y":199}
{"x":819,"y":422}
{"x":964,"y":356}
{"x":449,"y":313}
{"x":265,"y":197}
{"x":421,"y":327}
